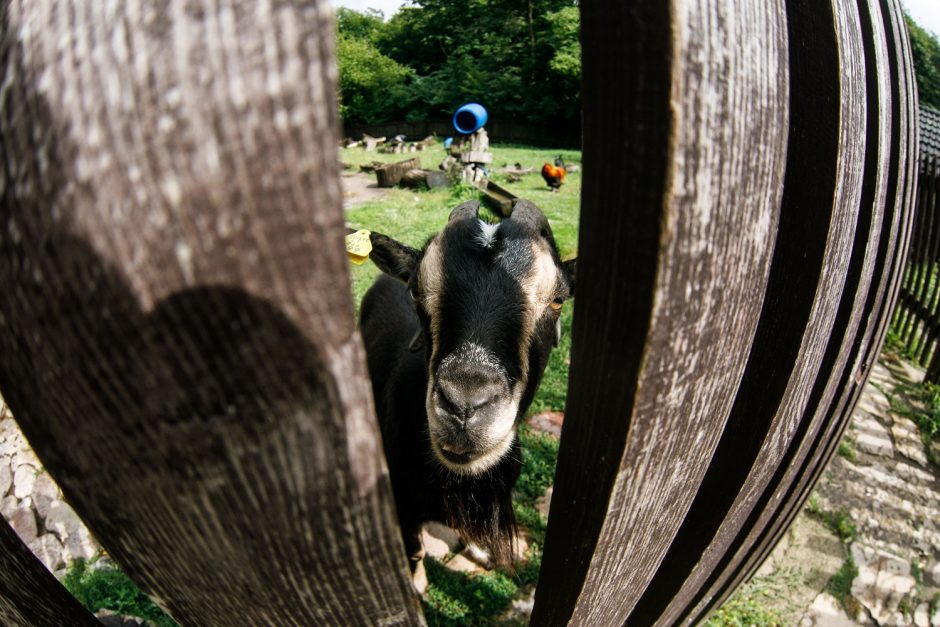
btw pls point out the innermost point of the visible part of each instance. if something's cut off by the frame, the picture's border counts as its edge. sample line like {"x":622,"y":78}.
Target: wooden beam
{"x":177,"y":337}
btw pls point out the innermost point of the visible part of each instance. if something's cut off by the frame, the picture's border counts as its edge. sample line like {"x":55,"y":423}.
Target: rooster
{"x":554,"y":175}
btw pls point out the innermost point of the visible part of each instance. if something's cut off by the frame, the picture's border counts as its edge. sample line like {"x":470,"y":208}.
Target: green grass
{"x":840,"y":585}
{"x":412,"y":215}
{"x":847,"y":449}
{"x":454,"y":599}
{"x":748,"y":607}
{"x":920,"y":402}
{"x":109,"y":588}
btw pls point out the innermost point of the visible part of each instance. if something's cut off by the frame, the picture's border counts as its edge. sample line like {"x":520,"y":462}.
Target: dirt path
{"x":359,"y":187}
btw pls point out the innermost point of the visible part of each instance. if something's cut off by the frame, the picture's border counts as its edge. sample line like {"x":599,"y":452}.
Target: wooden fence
{"x":508,"y":131}
{"x":176,"y":331}
{"x":917,"y":318}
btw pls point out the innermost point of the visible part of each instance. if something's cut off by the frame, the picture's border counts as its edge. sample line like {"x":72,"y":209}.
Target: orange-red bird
{"x":554,"y":175}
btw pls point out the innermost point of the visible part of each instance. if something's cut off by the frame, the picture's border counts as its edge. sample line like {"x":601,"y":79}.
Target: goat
{"x":457,"y":338}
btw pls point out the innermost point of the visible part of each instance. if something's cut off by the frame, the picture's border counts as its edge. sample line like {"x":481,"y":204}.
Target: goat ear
{"x":394,"y":258}
{"x":468,"y":209}
{"x":570,"y":269}
{"x":527,"y":211}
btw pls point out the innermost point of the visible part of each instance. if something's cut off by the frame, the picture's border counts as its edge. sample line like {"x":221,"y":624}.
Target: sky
{"x":388,"y":7}
{"x":925,"y":12}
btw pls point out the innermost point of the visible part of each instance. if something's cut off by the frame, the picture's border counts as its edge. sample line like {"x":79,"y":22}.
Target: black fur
{"x":481,"y":303}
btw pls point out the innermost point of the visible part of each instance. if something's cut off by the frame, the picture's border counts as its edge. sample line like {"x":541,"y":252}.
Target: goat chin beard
{"x":482,"y":463}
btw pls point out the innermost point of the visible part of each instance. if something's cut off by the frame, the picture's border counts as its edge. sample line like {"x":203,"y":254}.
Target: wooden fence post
{"x":704,"y":459}
{"x":177,"y":338}
{"x":30,"y":594}
{"x":176,"y":332}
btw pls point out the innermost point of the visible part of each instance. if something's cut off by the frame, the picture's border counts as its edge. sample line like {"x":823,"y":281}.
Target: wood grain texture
{"x":719,"y":214}
{"x":748,"y":458}
{"x":30,"y":596}
{"x":176,"y":333}
{"x":870,"y":301}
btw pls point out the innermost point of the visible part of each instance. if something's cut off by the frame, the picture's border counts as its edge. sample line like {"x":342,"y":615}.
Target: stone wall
{"x":32,"y":503}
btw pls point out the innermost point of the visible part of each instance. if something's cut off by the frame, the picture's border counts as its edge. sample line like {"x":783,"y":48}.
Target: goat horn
{"x":464,"y":210}
{"x":526,"y":211}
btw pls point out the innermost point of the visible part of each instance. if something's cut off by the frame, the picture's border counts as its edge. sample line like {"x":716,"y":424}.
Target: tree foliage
{"x":372,"y":85}
{"x":519,"y":58}
{"x":925,"y":50}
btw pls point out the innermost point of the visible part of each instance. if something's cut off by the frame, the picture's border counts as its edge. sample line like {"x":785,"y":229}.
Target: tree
{"x":359,"y":24}
{"x":372,"y":86}
{"x":925,"y":50}
{"x":519,"y":59}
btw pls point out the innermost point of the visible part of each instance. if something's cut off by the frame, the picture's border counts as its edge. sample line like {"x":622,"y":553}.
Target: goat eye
{"x":557,"y":303}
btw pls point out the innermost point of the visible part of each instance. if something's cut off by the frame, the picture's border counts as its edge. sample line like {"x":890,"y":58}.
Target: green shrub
{"x":840,"y":523}
{"x":847,"y":450}
{"x":744,"y":610}
{"x":920,"y":402}
{"x":109,"y":588}
{"x":840,"y":585}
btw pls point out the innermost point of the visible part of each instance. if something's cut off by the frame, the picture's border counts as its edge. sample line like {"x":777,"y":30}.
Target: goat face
{"x":489,"y":300}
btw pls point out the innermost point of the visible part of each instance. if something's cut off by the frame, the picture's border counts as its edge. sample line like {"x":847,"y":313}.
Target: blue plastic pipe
{"x":470,"y":118}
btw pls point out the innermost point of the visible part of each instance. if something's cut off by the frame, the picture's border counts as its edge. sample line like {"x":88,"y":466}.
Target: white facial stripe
{"x":487,"y":234}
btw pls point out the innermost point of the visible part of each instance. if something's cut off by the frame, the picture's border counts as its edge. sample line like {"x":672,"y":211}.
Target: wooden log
{"x":517,"y":170}
{"x":369,"y":168}
{"x":414,"y":178}
{"x":390,"y":174}
{"x":498,"y":198}
{"x":476,"y":157}
{"x":177,"y":340}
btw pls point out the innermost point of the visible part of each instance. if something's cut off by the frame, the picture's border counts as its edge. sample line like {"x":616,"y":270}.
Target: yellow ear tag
{"x":358,"y":246}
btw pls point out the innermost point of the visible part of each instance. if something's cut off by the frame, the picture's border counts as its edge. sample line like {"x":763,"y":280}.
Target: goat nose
{"x":464,"y":395}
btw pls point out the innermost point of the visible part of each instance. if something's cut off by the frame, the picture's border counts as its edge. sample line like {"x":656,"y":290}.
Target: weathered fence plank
{"x":710,"y":232}
{"x":838,"y":254}
{"x":29,"y":594}
{"x":749,"y":456}
{"x":827,"y":415}
{"x":176,"y":332}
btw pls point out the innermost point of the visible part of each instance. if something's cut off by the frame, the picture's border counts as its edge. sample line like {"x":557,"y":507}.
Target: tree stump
{"x":390,"y":175}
